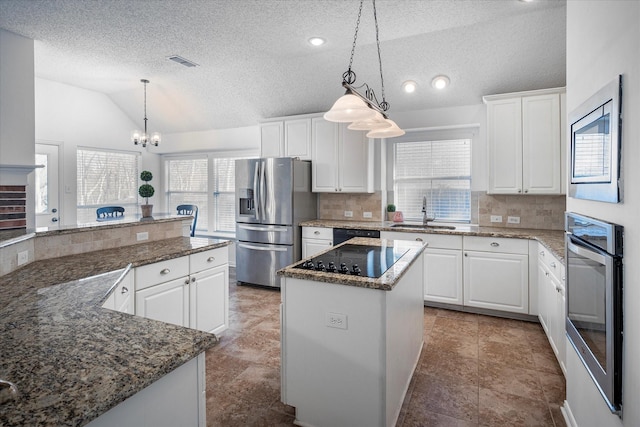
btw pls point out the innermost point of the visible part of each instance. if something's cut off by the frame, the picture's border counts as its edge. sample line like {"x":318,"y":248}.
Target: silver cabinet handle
{"x":165,"y":271}
{"x":519,"y":191}
{"x":54,"y":219}
{"x":316,"y":232}
{"x":546,"y":273}
{"x":193,"y":280}
{"x":495,"y":244}
{"x":124,"y":290}
{"x":526,"y":191}
{"x":211,"y":259}
{"x":186,"y":281}
{"x":542,"y":253}
{"x":418,"y":239}
{"x":553,"y":265}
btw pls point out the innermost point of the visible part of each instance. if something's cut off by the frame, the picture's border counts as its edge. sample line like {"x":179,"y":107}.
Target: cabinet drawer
{"x":208,"y":259}
{"x":317,"y":233}
{"x":438,"y":241}
{"x":551,"y":262}
{"x":160,"y":272}
{"x":496,"y":244}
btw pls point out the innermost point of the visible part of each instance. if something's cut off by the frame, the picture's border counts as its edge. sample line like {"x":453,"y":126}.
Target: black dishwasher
{"x":343,"y":234}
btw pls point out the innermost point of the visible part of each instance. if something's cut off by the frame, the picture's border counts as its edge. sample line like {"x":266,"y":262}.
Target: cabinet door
{"x":311,"y":247}
{"x":504,"y":137}
{"x":324,"y":149}
{"x":497,"y":281}
{"x":271,"y":139}
{"x":297,"y":138}
{"x":561,"y":314}
{"x":355,"y":173}
{"x":123,"y":298}
{"x":443,"y":276}
{"x":541,"y":144}
{"x":209,"y":295}
{"x":167,"y":302}
{"x":544,"y":288}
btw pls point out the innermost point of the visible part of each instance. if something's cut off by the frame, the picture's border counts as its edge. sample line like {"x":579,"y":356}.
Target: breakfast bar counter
{"x":72,"y":360}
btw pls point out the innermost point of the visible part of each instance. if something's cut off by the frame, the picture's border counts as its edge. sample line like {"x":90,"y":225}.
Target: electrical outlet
{"x":367,"y":215}
{"x":23,"y":257}
{"x":496,"y":218}
{"x":513,"y":220}
{"x":348,"y":214}
{"x":142,"y":236}
{"x":336,"y":320}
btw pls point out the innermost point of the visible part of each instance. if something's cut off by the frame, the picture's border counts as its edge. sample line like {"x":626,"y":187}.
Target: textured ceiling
{"x":255,"y":62}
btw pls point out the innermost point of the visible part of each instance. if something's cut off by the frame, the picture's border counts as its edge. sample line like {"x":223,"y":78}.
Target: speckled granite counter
{"x":71,"y":359}
{"x":551,"y":239}
{"x":386,"y":282}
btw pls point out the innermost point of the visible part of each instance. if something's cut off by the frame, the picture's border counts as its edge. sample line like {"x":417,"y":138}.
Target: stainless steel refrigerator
{"x":273,"y":195}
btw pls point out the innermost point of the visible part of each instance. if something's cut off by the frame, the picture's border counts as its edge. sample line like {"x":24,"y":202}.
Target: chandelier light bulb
{"x":143,"y":138}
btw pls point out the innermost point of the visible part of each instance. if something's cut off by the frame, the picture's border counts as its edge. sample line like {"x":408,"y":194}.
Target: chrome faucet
{"x":425,"y":218}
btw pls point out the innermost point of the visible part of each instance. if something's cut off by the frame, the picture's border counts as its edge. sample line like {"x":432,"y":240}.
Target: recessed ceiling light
{"x":409,"y":86}
{"x":440,"y":82}
{"x":316,"y":41}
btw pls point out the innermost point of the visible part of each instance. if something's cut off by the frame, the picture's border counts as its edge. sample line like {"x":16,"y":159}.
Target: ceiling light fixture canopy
{"x":144,"y":138}
{"x":364,"y":112}
{"x":440,"y":82}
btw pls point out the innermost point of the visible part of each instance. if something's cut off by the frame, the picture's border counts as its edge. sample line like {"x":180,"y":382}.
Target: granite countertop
{"x":385,"y":283}
{"x":553,"y":240}
{"x":73,"y":360}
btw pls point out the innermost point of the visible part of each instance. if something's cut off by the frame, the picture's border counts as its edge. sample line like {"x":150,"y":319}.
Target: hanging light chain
{"x":349,"y":76}
{"x":384,"y":105}
{"x":145,"y":106}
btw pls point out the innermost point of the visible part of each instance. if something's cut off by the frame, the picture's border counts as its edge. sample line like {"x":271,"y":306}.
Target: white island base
{"x":348,"y":352}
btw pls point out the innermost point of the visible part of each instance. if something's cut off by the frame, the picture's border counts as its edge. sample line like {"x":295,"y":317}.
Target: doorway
{"x":47,"y":203}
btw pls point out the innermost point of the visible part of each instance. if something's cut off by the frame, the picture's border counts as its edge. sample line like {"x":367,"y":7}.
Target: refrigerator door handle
{"x":256,"y":190}
{"x":262,"y":248}
{"x":262,"y":228}
{"x":263,"y":194}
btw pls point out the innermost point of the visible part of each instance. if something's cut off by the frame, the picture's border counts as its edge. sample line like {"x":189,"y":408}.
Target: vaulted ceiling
{"x":255,"y":61}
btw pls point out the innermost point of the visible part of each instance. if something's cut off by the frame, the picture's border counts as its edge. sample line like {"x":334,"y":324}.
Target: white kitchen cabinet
{"x":286,"y":138}
{"x":525,"y":142}
{"x":342,"y":159}
{"x":442,"y":281}
{"x":315,"y":240}
{"x":121,"y":299}
{"x":197,"y":298}
{"x":496,"y":273}
{"x":551,"y":301}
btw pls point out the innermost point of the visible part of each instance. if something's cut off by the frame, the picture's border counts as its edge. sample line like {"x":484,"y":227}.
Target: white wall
{"x":245,"y":138}
{"x":603,"y":40}
{"x":73,"y":117}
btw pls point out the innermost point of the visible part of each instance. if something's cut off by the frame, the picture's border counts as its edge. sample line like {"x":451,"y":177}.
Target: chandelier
{"x":364,"y":112}
{"x":144,"y":138}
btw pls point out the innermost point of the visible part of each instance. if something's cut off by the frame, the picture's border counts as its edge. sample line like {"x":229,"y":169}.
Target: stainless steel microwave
{"x":596,"y":147}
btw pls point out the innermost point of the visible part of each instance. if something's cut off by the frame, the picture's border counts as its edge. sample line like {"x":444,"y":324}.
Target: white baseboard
{"x":568,"y":415}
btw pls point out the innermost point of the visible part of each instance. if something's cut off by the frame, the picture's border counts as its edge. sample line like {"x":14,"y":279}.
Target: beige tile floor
{"x":474,"y":370}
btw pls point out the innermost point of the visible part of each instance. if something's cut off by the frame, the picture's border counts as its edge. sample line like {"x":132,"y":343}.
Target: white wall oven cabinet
{"x":525,"y":142}
{"x":342,"y":159}
{"x":496,"y":273}
{"x":551,"y":301}
{"x":289,"y":137}
{"x":315,"y":240}
{"x":442,"y":281}
{"x":190,"y":291}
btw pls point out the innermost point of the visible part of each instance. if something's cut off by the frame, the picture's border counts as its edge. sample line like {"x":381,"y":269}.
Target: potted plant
{"x":146,"y":190}
{"x":391,"y":209}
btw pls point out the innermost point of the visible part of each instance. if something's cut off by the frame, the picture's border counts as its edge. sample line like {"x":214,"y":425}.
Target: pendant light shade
{"x":377,"y":122}
{"x":388,"y":132}
{"x":349,"y":108}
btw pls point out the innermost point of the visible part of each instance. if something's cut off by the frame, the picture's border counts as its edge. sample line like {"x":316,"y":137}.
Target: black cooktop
{"x":357,"y":260}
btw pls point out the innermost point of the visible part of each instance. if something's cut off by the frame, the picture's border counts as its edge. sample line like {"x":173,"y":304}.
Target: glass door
{"x":47,"y":203}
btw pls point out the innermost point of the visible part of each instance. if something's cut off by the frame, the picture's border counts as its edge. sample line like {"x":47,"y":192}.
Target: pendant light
{"x":144,"y":138}
{"x":364,"y":112}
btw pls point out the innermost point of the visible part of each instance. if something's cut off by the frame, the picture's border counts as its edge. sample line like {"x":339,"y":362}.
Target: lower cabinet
{"x":315,"y":240}
{"x":121,"y":298}
{"x":551,"y":302}
{"x":198,"y":298}
{"x":496,"y":273}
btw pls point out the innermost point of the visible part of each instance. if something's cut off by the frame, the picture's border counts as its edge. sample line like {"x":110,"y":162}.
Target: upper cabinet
{"x":286,"y":138}
{"x":342,"y":159}
{"x":525,"y":140}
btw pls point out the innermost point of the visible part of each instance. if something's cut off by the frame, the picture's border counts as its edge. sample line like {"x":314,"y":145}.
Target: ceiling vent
{"x":182,"y":61}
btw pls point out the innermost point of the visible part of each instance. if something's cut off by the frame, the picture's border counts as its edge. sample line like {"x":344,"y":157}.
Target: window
{"x":439,"y":170}
{"x":106,"y":178}
{"x":189,"y":181}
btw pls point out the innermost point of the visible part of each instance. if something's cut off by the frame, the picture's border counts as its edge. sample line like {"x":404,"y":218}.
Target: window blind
{"x":105,"y":178}
{"x":187,"y":183}
{"x":438,"y":170}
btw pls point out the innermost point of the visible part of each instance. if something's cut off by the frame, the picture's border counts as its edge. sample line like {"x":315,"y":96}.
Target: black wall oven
{"x":594,"y":301}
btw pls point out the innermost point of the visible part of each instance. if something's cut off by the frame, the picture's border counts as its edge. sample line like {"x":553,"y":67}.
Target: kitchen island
{"x":72,"y":361}
{"x":350,"y":343}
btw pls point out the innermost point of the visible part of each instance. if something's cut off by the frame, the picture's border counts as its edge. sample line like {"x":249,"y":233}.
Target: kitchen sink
{"x":424,"y":226}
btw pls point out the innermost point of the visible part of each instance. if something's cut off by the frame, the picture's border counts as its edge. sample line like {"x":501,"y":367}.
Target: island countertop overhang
{"x":386,"y":282}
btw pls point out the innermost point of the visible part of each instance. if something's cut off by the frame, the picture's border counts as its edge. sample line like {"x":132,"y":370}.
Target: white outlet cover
{"x":336,"y":320}
{"x":142,"y":236}
{"x":367,"y":215}
{"x":496,"y":218}
{"x":348,"y":214}
{"x":513,"y":220}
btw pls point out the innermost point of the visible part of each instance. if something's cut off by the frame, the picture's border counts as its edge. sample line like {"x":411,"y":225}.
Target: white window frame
{"x":469,"y":132}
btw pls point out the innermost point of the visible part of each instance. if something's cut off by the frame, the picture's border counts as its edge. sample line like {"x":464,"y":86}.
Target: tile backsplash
{"x":538,"y":212}
{"x":331,"y":206}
